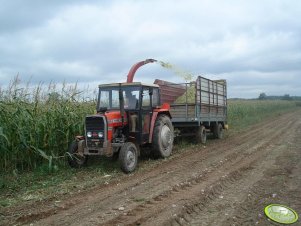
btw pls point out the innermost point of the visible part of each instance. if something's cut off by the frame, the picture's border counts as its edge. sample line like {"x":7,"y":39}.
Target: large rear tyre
{"x":218,"y":131}
{"x":201,"y":135}
{"x":163,"y":137}
{"x":128,"y":157}
{"x":75,"y":159}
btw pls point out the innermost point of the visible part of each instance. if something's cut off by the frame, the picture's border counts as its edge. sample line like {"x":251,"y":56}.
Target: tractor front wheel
{"x":75,"y":159}
{"x":128,"y":157}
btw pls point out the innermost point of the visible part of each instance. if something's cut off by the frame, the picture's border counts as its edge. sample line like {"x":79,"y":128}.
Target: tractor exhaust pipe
{"x":135,"y":67}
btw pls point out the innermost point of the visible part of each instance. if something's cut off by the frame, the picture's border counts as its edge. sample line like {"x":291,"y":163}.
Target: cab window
{"x":146,"y":97}
{"x":155,"y":97}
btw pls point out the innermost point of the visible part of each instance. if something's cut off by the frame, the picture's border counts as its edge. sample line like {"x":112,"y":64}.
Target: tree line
{"x":263,"y":96}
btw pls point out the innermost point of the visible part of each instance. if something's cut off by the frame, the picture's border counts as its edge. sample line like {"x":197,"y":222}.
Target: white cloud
{"x":99,"y":41}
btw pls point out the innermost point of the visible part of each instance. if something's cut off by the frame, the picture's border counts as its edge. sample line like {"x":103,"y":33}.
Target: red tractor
{"x":129,"y":116}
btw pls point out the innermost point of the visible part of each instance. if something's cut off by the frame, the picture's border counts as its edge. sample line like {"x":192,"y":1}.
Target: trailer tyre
{"x":76,"y":160}
{"x":201,"y":135}
{"x":128,"y":157}
{"x":218,"y":131}
{"x":163,"y":137}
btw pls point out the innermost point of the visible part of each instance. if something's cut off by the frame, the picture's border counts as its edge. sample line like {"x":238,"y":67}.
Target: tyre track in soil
{"x":207,"y":188}
{"x":232,"y":198}
{"x":176,"y":181}
{"x":281,"y":183}
{"x":161,"y":179}
{"x":47,"y":208}
{"x":153,"y":183}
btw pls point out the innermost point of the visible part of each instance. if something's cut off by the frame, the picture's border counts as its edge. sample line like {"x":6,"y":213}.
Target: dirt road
{"x":228,"y":182}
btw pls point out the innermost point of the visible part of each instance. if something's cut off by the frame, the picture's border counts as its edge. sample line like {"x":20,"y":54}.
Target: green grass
{"x":41,"y":184}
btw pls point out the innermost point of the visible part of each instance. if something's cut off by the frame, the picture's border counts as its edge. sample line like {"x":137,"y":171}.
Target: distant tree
{"x":262,"y":96}
{"x":287,"y":97}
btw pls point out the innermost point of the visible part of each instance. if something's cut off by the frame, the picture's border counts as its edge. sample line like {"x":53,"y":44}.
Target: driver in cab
{"x":131,"y":102}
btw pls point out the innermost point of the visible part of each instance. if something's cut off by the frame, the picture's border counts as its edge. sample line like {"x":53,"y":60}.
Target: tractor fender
{"x":156,"y":113}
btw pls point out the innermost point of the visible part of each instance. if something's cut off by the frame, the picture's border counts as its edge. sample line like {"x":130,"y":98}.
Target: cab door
{"x":146,"y":113}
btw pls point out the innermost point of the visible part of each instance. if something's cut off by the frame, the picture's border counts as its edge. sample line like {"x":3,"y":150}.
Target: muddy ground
{"x":228,"y":182}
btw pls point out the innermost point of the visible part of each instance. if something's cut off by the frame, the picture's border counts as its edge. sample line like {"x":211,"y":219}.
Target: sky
{"x":254,"y":44}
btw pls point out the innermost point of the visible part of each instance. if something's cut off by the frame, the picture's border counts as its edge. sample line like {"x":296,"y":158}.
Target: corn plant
{"x":37,"y":125}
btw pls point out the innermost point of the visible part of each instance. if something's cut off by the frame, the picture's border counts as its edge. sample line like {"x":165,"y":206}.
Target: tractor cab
{"x":135,"y":103}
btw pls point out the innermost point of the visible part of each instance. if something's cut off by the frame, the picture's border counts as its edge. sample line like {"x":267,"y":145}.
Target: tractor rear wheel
{"x":201,"y":135}
{"x":128,"y":157}
{"x":75,"y":159}
{"x":163,"y":137}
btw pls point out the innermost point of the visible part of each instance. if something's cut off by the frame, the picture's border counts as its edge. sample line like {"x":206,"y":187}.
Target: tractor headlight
{"x":89,"y":134}
{"x":100,"y":134}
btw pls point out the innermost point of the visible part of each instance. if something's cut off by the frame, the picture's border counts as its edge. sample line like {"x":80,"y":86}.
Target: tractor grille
{"x":94,"y":125}
{"x":94,"y":143}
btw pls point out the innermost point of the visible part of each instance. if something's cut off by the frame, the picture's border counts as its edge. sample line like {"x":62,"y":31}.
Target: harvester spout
{"x":135,"y":67}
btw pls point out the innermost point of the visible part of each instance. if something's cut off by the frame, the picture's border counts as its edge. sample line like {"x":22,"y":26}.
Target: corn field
{"x":242,"y":113}
{"x":38,"y":124}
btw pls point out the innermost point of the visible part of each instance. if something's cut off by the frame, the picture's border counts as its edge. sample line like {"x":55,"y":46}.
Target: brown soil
{"x":228,"y":182}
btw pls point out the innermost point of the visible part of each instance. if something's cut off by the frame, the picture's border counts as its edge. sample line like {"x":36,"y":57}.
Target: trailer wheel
{"x":128,"y":157}
{"x":201,"y":135}
{"x":76,"y":160}
{"x":163,"y":137}
{"x":218,"y":131}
